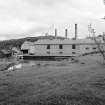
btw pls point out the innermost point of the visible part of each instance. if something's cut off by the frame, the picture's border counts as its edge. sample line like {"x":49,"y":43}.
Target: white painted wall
{"x":40,"y":48}
{"x":31,"y":49}
{"x":54,"y":50}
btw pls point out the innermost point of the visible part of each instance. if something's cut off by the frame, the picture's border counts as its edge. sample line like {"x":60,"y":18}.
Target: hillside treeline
{"x":8,"y":44}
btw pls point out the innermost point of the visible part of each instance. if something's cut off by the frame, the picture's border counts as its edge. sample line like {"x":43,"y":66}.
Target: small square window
{"x":94,"y":48}
{"x":48,"y":52}
{"x":86,"y":48}
{"x":73,"y":46}
{"x":48,"y":46}
{"x":73,"y":52}
{"x":60,"y":46}
{"x":60,"y":52}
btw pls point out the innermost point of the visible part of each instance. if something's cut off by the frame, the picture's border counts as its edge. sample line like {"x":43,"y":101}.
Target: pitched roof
{"x":26,"y":45}
{"x":65,"y":41}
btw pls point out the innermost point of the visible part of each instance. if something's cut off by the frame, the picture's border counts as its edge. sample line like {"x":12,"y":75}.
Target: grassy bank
{"x":55,"y":83}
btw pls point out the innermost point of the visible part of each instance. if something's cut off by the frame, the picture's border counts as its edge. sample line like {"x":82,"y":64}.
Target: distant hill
{"x":8,"y":44}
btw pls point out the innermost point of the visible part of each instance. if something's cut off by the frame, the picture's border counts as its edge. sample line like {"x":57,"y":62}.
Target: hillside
{"x":7,"y":44}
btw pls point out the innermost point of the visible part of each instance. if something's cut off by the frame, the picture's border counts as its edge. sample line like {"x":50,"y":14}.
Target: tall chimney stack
{"x":76,"y":33}
{"x":55,"y":33}
{"x":66,"y":33}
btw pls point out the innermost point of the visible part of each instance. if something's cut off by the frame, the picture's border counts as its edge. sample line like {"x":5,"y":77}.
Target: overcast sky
{"x":21,"y":18}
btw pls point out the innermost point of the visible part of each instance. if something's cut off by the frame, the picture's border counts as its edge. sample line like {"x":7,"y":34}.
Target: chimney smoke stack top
{"x":66,"y":33}
{"x":55,"y":33}
{"x":76,"y":32}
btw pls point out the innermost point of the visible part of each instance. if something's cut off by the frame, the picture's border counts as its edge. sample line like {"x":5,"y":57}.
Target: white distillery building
{"x":59,"y":47}
{"x":50,"y":48}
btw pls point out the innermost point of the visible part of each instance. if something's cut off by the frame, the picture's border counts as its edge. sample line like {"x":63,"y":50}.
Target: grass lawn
{"x":55,"y":83}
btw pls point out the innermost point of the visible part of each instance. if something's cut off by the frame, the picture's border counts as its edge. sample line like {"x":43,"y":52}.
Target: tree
{"x":98,"y":43}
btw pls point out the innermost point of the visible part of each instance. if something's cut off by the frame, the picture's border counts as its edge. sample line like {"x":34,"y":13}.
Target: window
{"x":48,"y":46}
{"x":94,"y":48}
{"x":73,"y":52}
{"x":73,"y":46}
{"x":60,"y":46}
{"x":48,"y":52}
{"x":86,"y":48}
{"x":60,"y":52}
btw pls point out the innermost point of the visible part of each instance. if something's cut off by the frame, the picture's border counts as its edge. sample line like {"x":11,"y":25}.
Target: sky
{"x":26,"y":18}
